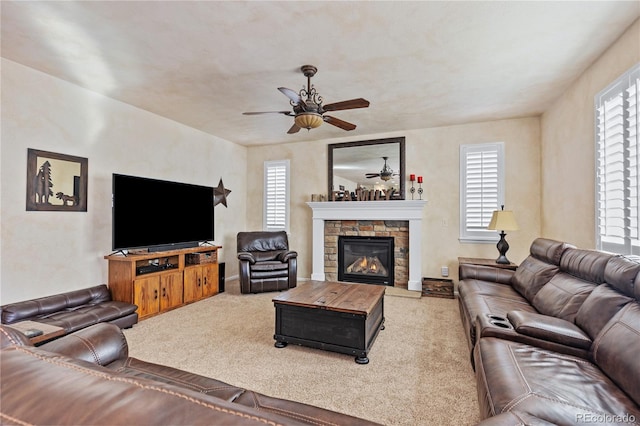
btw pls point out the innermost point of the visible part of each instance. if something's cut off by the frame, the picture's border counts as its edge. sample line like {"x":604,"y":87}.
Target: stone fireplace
{"x":400,"y":219}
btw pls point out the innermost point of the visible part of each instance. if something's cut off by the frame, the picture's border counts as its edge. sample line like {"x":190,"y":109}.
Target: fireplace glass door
{"x":367,"y":260}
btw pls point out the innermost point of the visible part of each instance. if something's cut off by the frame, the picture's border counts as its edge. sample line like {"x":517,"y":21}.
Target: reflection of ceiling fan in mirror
{"x":385,"y":174}
{"x":308,"y":110}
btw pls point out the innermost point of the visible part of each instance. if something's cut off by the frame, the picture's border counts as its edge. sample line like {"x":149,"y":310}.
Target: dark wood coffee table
{"x":338,"y":317}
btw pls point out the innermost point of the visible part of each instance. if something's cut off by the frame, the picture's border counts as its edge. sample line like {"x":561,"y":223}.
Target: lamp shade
{"x":503,"y":220}
{"x":308,"y":120}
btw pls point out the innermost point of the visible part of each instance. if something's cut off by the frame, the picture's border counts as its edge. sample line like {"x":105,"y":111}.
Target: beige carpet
{"x":419,"y":371}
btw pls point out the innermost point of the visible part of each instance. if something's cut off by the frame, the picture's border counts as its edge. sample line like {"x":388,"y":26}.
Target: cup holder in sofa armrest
{"x":501,"y":324}
{"x":494,"y":317}
{"x":499,"y":321}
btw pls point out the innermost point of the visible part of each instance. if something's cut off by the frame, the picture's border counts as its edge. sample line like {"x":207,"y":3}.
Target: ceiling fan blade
{"x":338,"y":123}
{"x":372,"y":175}
{"x":268,"y":112}
{"x":291,"y":94}
{"x":350,"y":104}
{"x":294,"y":129}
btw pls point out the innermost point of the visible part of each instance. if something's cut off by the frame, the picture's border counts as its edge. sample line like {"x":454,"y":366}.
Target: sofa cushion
{"x":563,"y":296}
{"x":471,"y":287}
{"x":588,"y":265}
{"x":616,"y":350}
{"x":537,"y":269}
{"x":262,"y":241}
{"x":78,"y":317}
{"x":531,"y":275}
{"x":580,"y":272}
{"x":598,"y":308}
{"x":50,"y":304}
{"x":558,"y":388}
{"x":514,"y":418}
{"x":269,"y":266}
{"x":547,"y":250}
{"x":133,"y":367}
{"x":468,"y":271}
{"x":83,"y":393}
{"x":621,"y":273}
{"x":295,"y":411}
{"x":100,"y":344}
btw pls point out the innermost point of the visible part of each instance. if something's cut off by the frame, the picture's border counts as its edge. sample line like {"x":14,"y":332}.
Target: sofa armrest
{"x":286,"y":255}
{"x":10,"y":337}
{"x":485,"y":273}
{"x":549,"y":328}
{"x":247,"y":256}
{"x":100,"y":344}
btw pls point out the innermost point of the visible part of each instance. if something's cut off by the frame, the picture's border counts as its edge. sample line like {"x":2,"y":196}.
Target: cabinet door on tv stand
{"x":209,"y":279}
{"x":171,"y":290}
{"x":146,"y":295}
{"x":192,"y":284}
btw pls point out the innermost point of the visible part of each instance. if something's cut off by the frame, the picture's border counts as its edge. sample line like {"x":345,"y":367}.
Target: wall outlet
{"x":444,"y":271}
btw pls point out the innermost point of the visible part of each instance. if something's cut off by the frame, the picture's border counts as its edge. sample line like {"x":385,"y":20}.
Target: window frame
{"x":483,"y":236}
{"x":628,"y":146}
{"x":268,"y":165}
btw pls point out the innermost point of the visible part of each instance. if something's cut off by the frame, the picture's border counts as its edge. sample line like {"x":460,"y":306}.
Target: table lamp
{"x":503,"y":220}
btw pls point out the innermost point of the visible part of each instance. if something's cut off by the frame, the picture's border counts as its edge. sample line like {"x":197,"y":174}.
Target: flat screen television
{"x":160,"y":215}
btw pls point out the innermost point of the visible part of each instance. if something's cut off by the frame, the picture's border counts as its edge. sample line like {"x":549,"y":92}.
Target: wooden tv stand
{"x":136,"y":279}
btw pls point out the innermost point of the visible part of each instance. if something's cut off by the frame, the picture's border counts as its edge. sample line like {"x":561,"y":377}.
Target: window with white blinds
{"x":617,"y":161}
{"x":276,"y":195}
{"x":481,"y":189}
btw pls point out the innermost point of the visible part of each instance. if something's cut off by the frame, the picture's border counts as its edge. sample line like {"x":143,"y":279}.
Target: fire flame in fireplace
{"x":367,"y":265}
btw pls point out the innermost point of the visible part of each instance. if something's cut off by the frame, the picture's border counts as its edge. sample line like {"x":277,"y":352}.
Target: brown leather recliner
{"x":266,"y":263}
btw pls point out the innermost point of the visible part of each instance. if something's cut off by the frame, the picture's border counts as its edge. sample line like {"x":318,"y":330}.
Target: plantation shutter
{"x":617,"y":162}
{"x":481,"y":189}
{"x":276,"y":195}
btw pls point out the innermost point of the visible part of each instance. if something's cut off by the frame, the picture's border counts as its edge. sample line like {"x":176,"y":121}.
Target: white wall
{"x":568,"y":146}
{"x":44,"y":253}
{"x":433,"y":154}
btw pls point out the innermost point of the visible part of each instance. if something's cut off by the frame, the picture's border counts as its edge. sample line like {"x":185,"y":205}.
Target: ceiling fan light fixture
{"x":308,"y":120}
{"x":308,"y":107}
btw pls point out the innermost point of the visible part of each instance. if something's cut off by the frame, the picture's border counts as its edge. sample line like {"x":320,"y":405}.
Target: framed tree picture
{"x":56,"y":182}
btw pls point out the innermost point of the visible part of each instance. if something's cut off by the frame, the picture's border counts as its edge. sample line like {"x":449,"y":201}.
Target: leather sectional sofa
{"x":73,"y":310}
{"x":558,"y":340}
{"x":87,"y":377}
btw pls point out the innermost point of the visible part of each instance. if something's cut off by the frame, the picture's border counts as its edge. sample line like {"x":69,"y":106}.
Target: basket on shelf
{"x":200,"y":258}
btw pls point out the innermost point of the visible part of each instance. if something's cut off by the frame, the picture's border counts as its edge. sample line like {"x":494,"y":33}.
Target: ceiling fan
{"x":385,"y":174}
{"x":308,"y":110}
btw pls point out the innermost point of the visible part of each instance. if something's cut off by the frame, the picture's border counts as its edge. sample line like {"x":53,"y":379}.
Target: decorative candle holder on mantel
{"x":412,"y":178}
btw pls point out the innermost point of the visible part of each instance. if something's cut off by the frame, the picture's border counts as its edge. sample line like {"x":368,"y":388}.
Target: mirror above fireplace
{"x":370,"y":164}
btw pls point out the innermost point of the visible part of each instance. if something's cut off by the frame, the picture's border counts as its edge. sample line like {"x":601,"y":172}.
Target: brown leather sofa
{"x":73,"y":310}
{"x":557,"y":341}
{"x":87,"y":377}
{"x":266,"y":263}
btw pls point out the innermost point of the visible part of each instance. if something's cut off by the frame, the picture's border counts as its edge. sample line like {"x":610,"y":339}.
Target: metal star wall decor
{"x":220,"y":194}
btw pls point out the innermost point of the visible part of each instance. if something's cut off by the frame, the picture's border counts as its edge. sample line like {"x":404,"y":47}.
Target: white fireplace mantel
{"x":410,"y":210}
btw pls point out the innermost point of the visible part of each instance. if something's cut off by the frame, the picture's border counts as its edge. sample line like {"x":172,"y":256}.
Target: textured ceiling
{"x":420,"y":64}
